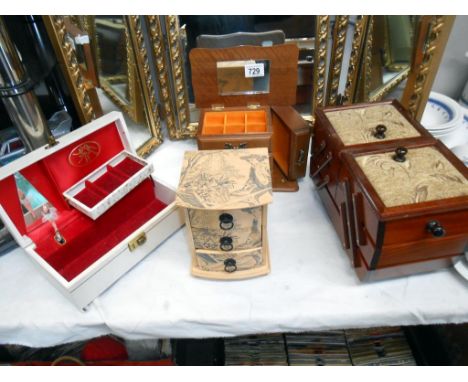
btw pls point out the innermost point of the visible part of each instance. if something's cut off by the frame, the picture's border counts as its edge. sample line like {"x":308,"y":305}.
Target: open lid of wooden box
{"x":218,"y":75}
{"x":40,"y":179}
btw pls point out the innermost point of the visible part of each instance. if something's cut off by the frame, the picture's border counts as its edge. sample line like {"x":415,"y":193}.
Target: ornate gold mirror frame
{"x":82,"y":92}
{"x":433,"y":33}
{"x":140,"y":51}
{"x":143,"y":105}
{"x":134,"y":105}
{"x":327,"y":74}
{"x":164,"y":32}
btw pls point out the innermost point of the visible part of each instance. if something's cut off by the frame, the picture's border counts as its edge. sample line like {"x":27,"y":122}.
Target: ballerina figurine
{"x":49,"y":214}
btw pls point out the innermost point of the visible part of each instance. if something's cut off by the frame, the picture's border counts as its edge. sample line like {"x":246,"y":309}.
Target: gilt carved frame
{"x":432,"y":37}
{"x":66,"y":55}
{"x":136,"y":37}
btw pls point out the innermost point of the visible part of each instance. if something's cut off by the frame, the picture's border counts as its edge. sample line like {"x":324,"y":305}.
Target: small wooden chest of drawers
{"x":225,"y":195}
{"x":387,"y":239}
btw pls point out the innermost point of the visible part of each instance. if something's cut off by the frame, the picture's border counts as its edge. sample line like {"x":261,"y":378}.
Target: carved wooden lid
{"x":425,"y":174}
{"x":358,"y":125}
{"x":225,"y":179}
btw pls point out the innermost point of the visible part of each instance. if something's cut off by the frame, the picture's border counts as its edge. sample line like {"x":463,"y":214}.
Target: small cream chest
{"x":225,"y":194}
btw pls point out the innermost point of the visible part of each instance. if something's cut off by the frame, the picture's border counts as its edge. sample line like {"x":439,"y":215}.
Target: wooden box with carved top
{"x":359,"y":128}
{"x":409,"y":209}
{"x":225,"y":194}
{"x":238,"y":111}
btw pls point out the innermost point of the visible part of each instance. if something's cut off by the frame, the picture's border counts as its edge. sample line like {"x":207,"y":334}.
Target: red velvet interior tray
{"x":101,"y":189}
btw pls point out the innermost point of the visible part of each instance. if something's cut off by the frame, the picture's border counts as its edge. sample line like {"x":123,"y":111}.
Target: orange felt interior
{"x":234,"y":122}
{"x":87,"y":240}
{"x":280,"y":143}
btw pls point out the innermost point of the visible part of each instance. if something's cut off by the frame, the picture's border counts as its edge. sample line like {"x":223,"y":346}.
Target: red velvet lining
{"x":95,"y":191}
{"x":89,"y":240}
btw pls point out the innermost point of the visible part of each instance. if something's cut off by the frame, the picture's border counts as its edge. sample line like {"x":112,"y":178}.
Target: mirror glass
{"x":32,"y":201}
{"x":393,"y":40}
{"x":243,"y":77}
{"x":113,"y":65}
{"x":120,"y":88}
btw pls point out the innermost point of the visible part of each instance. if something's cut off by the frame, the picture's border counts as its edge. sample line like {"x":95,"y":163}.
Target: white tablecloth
{"x":311,"y":287}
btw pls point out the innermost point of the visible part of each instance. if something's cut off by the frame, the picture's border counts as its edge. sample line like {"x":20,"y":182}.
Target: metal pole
{"x":20,"y":101}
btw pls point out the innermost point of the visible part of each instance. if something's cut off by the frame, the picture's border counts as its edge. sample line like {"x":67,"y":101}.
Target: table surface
{"x":311,"y":287}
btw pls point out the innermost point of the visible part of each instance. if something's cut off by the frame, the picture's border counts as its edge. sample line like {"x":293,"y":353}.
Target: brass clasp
{"x":137,"y":242}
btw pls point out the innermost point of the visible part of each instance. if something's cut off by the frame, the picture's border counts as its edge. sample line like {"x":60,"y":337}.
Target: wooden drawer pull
{"x":344,"y":226}
{"x":358,"y":216}
{"x":301,"y":158}
{"x":321,"y":147}
{"x":320,"y":167}
{"x":323,"y":183}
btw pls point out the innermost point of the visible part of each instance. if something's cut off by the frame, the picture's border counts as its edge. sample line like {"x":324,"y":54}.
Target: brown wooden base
{"x":367,"y":275}
{"x":279,"y":181}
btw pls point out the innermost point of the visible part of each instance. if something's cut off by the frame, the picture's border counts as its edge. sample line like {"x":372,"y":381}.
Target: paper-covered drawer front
{"x":229,"y":262}
{"x":218,"y":239}
{"x":227,"y":221}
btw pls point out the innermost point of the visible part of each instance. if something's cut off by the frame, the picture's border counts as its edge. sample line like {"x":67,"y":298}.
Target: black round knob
{"x":225,"y":243}
{"x":435,"y":228}
{"x":230,"y":265}
{"x":380,"y":131}
{"x":226,"y":221}
{"x":400,"y":154}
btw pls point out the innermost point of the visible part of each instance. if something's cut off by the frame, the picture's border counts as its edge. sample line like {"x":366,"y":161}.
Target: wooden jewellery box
{"x":109,"y":210}
{"x":237,"y":111}
{"x":225,"y":194}
{"x":358,"y":127}
{"x":361,"y":219}
{"x":410,"y":207}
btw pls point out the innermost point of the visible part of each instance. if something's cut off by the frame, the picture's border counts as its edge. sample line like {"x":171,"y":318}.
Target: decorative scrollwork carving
{"x":66,"y":55}
{"x":422,"y":70}
{"x":355,"y":57}
{"x":144,"y":75}
{"x":184,"y":128}
{"x":320,"y":63}
{"x":336,"y":60}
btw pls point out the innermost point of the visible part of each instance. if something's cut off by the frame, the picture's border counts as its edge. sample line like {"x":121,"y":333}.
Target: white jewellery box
{"x":87,"y":209}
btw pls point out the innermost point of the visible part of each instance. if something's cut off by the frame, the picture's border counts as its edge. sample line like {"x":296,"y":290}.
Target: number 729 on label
{"x":254,"y":70}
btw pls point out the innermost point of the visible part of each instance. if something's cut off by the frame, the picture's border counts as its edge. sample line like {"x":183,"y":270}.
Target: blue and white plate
{"x":441,"y":114}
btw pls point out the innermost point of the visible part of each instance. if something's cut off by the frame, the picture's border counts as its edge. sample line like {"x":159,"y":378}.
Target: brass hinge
{"x":253,"y":106}
{"x":217,"y":107}
{"x":137,"y":242}
{"x":51,"y":141}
